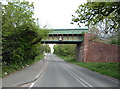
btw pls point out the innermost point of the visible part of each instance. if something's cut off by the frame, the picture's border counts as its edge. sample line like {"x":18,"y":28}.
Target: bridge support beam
{"x":78,"y":55}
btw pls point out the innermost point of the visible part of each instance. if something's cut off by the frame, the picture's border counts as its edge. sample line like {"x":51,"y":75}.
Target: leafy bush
{"x":47,"y":48}
{"x":115,"y":41}
{"x":21,"y":36}
{"x":65,"y":50}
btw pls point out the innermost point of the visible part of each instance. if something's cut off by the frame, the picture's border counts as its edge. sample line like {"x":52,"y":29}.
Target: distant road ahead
{"x":59,"y":73}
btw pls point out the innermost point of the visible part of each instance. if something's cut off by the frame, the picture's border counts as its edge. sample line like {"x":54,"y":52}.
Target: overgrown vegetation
{"x":105,"y":15}
{"x":21,"y":36}
{"x":6,"y":70}
{"x":103,"y":18}
{"x":65,"y":50}
{"x":115,"y":41}
{"x":47,"y":49}
{"x":108,"y":68}
{"x":109,"y":40}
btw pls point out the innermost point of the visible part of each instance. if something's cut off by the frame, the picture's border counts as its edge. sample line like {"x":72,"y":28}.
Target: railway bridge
{"x":66,"y":36}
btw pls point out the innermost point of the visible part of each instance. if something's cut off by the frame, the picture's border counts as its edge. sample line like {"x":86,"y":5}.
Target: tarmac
{"x":24,"y":76}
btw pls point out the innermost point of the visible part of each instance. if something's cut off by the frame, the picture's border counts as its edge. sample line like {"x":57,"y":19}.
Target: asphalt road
{"x":58,"y":73}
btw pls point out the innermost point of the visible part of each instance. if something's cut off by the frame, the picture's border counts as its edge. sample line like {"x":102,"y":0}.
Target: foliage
{"x":21,"y":35}
{"x":114,"y":41}
{"x":99,"y":13}
{"x":47,"y":49}
{"x":6,"y":70}
{"x":65,"y":50}
{"x":68,"y":58}
{"x":16,"y":15}
{"x":110,"y":69}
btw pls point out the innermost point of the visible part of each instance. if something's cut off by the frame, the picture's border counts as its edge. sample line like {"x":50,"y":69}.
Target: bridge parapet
{"x":67,"y":31}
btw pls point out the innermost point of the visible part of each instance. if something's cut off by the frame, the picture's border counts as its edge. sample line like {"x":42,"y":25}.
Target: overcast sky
{"x":56,"y":13}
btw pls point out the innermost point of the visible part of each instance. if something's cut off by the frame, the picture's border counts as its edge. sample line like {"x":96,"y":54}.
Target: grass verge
{"x":106,"y":68}
{"x":8,"y":69}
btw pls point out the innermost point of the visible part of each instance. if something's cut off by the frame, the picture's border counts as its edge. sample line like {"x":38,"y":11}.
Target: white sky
{"x":56,"y":13}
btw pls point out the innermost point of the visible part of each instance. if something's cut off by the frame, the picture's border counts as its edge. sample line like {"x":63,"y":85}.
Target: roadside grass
{"x":8,"y":69}
{"x":110,"y":69}
{"x":103,"y":41}
{"x":114,"y":41}
{"x":107,"y":68}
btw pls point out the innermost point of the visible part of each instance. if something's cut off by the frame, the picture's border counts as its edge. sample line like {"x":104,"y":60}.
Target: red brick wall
{"x":99,"y":52}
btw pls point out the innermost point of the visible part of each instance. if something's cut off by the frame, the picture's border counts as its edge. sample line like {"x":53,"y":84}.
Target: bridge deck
{"x":61,"y":42}
{"x":67,"y":31}
{"x":67,"y":36}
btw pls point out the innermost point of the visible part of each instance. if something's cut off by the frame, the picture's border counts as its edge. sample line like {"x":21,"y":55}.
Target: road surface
{"x":58,"y":73}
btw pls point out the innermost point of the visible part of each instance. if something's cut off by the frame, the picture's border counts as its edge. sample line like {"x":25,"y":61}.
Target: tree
{"x":47,"y":49}
{"x":0,"y":33}
{"x":93,"y":13}
{"x":16,"y":15}
{"x":20,"y":32}
{"x":65,"y":50}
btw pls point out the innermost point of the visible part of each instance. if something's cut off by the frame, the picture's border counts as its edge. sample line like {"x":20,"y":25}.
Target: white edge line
{"x":41,"y":71}
{"x":81,"y":82}
{"x":32,"y":85}
{"x":80,"y":78}
{"x":39,"y":74}
{"x":102,"y":75}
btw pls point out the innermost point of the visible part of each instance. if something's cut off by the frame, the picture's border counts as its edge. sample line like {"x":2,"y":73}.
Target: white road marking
{"x":85,"y":83}
{"x":43,"y":69}
{"x":39,"y":74}
{"x":79,"y":79}
{"x":32,"y":85}
{"x":103,"y":76}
